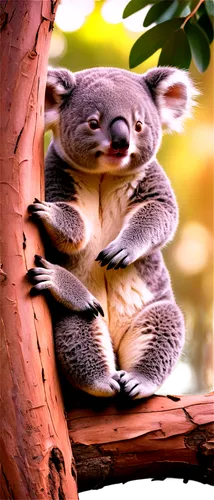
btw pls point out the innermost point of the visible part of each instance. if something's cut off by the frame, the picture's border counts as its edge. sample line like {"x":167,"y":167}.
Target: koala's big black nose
{"x":119,"y":131}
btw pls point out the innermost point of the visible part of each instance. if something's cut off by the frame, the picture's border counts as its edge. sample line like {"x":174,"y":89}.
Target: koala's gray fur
{"x":109,"y":210}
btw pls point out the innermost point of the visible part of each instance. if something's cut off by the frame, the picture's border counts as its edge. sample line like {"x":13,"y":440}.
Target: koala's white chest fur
{"x":102,"y":202}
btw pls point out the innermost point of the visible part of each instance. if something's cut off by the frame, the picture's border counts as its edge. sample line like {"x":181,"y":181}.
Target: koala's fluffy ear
{"x":60,"y":83}
{"x":173,"y":93}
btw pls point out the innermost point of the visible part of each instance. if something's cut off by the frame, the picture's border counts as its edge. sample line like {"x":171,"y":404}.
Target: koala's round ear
{"x":60,"y":83}
{"x":173,"y":93}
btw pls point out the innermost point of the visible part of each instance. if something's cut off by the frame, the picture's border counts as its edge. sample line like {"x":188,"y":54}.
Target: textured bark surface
{"x":36,"y":455}
{"x":158,"y":438}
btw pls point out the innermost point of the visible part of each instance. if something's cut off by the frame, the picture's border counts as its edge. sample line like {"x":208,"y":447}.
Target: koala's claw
{"x":114,"y":257}
{"x":98,"y":309}
{"x":38,"y":208}
{"x":130,"y":386}
{"x":95,"y":308}
{"x":40,"y":261}
{"x":134,"y":385}
{"x":40,"y":277}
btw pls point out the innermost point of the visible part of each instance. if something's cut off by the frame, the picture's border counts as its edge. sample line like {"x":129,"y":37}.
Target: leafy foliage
{"x":183,"y":30}
{"x":181,"y":58}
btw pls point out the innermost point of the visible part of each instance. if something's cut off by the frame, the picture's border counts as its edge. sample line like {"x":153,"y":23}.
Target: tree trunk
{"x":35,"y":448}
{"x":158,"y":438}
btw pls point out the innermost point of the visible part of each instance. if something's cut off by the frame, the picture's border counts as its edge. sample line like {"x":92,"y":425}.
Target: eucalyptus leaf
{"x":210,"y":7}
{"x":201,"y":10}
{"x":205,"y":23}
{"x":136,"y":5}
{"x":152,"y":40}
{"x":186,"y":3}
{"x":183,"y":8}
{"x":171,"y":56}
{"x":199,"y":45}
{"x":160,"y":12}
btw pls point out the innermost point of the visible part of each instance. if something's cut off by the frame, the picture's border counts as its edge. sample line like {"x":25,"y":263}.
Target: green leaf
{"x":183,"y":8}
{"x":199,"y":45}
{"x":152,"y":40}
{"x":205,"y":23}
{"x":210,"y":7}
{"x":160,"y":12}
{"x":176,"y":51}
{"x":136,"y":5}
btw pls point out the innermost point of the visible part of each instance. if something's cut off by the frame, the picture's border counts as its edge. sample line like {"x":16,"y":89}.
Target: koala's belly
{"x":127,"y":294}
{"x":122,"y":293}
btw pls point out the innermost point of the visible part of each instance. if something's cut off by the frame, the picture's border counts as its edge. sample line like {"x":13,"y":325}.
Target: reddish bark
{"x":35,"y":449}
{"x":160,"y":437}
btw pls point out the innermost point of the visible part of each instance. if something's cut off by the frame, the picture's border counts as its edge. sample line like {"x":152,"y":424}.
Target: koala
{"x":109,"y":210}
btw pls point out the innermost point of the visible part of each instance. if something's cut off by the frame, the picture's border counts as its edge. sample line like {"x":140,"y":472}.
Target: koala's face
{"x":110,"y":120}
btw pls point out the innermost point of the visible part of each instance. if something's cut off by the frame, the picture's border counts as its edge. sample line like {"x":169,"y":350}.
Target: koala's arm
{"x":150,"y":221}
{"x":63,"y":286}
{"x":60,"y":214}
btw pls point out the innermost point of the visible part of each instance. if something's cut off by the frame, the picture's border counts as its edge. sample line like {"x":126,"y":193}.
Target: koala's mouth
{"x":113,"y":153}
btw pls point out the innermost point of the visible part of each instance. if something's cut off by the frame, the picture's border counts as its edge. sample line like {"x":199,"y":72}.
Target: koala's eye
{"x":93,"y":124}
{"x":138,"y":126}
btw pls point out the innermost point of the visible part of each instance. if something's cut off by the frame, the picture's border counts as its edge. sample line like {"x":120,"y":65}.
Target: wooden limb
{"x":35,"y":449}
{"x":157,"y":438}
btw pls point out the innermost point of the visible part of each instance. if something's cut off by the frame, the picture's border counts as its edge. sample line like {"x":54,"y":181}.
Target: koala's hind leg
{"x":150,"y":349}
{"x":85,"y":353}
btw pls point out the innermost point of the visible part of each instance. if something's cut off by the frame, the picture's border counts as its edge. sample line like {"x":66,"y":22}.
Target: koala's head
{"x":110,"y":120}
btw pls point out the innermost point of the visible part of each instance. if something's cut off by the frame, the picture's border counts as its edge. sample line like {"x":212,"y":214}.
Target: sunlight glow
{"x":58,"y":45}
{"x":112,"y":13}
{"x":202,"y":140}
{"x":193,"y":250}
{"x":135,"y":22}
{"x":71,"y":14}
{"x":179,"y":382}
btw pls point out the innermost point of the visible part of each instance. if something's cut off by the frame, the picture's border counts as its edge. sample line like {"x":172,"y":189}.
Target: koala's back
{"x":102,"y":201}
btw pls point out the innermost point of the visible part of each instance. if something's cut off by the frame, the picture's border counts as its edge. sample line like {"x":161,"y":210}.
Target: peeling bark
{"x":35,"y":449}
{"x":158,"y":438}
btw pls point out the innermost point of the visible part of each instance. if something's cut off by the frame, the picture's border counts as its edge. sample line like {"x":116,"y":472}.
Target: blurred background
{"x":91,"y":33}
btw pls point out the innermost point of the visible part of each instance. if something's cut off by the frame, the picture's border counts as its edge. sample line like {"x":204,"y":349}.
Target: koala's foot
{"x":104,"y":388}
{"x":63,"y":223}
{"x":135,"y":386}
{"x":85,"y":353}
{"x":150,"y":348}
{"x":64,"y":286}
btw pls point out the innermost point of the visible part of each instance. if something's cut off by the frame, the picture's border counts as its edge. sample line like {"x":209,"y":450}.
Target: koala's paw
{"x":133,"y":385}
{"x":64,"y":286}
{"x":117,"y":255}
{"x":40,"y":210}
{"x":104,"y":388}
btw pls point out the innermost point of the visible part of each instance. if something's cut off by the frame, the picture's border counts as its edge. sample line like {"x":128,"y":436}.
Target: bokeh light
{"x":58,"y":45}
{"x":71,"y":14}
{"x":203,"y":140}
{"x":135,"y":22}
{"x":112,"y":12}
{"x":193,"y":249}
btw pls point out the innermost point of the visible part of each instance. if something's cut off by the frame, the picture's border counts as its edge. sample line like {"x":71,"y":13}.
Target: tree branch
{"x":160,"y":437}
{"x":192,"y":13}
